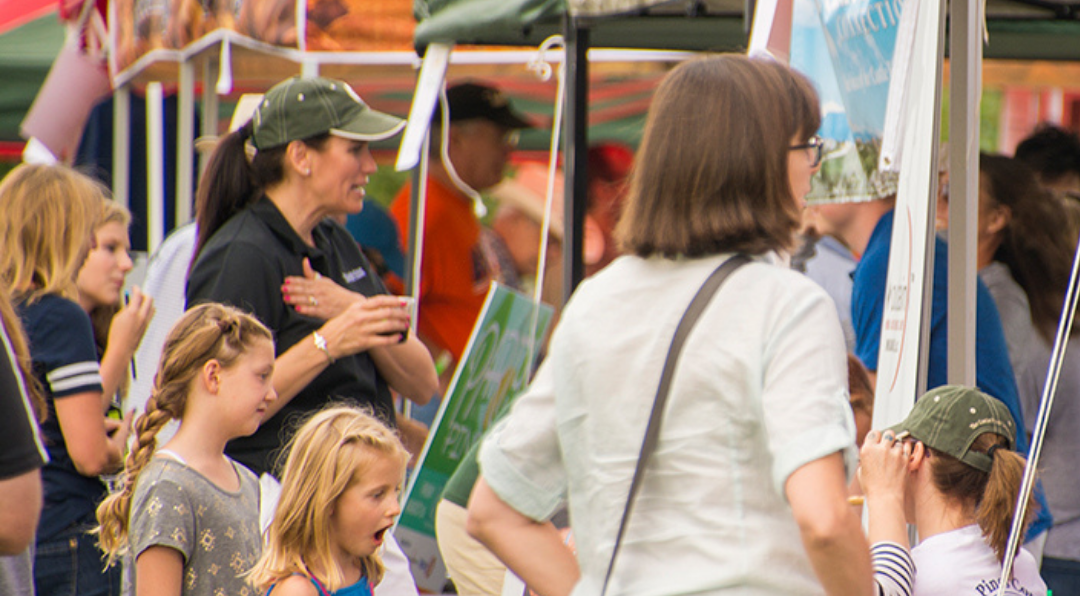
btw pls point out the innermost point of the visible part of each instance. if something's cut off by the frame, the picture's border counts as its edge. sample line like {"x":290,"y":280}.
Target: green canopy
{"x":529,"y":22}
{"x":26,"y":53}
{"x":1018,"y":29}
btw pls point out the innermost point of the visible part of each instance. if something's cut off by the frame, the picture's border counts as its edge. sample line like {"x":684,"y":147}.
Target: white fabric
{"x":760,"y":390}
{"x":960,"y":562}
{"x":166,"y":275}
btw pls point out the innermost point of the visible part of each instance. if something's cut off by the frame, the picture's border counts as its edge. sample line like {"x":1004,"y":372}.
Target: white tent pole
{"x":185,"y":133}
{"x":209,"y":124}
{"x":121,"y":165}
{"x":155,"y":167}
{"x":965,"y":60}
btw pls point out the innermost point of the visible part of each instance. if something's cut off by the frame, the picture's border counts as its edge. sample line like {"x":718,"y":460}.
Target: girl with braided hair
{"x":186,"y":513}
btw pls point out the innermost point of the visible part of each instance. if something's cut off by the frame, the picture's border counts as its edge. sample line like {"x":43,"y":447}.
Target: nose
{"x":395,"y":507}
{"x":367,"y":162}
{"x":271,"y":395}
{"x":126,"y":264}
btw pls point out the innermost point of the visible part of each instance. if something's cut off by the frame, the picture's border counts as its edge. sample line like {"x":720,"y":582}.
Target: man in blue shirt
{"x":866,"y":228}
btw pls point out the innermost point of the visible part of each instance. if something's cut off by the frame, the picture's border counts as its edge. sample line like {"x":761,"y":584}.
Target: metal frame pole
{"x":575,"y":153}
{"x":965,"y":59}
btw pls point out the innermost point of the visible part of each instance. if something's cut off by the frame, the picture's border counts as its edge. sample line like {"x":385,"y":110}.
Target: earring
{"x":307,"y":172}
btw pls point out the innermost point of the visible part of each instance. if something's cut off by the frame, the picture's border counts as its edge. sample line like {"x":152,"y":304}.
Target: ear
{"x":298,"y":158}
{"x":211,"y":376}
{"x":999,"y":219}
{"x":918,"y":457}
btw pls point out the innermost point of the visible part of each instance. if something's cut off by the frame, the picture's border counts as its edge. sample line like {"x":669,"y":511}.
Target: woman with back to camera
{"x":745,"y":492}
{"x":267,"y":245}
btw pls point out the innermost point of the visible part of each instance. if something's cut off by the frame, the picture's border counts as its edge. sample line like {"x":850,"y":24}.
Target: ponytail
{"x":995,"y":512}
{"x":234,"y":179}
{"x":227,"y":186}
{"x":992,"y":495}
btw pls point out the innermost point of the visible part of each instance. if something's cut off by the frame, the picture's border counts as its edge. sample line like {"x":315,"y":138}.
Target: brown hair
{"x":13,"y":329}
{"x":860,"y":390}
{"x":47,"y":217}
{"x":993,"y":495}
{"x":232,"y":181}
{"x":1037,"y":245}
{"x":711,"y":174}
{"x":205,"y":332}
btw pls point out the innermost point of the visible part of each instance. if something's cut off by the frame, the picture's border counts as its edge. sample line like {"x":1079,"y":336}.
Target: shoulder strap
{"x":652,"y":431}
{"x":318,"y":586}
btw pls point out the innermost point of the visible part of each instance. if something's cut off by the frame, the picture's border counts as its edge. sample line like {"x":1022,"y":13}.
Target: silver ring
{"x":312,"y":301}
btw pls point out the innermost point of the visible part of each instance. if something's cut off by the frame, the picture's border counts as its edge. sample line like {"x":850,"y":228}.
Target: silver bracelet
{"x":320,"y":344}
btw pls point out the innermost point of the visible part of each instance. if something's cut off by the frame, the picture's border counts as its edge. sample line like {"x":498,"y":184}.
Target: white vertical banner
{"x":771,"y":32}
{"x":901,"y":373}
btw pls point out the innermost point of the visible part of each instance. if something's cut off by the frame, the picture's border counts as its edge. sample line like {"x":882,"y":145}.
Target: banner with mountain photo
{"x":846,"y":47}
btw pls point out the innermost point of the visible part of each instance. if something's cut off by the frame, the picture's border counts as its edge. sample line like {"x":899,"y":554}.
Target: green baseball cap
{"x":949,"y":418}
{"x":301,"y":108}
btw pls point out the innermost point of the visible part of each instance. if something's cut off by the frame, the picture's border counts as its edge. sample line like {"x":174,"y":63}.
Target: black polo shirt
{"x":244,"y":264}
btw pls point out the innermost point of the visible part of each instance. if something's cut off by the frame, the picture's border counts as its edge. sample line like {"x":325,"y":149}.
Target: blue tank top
{"x":360,"y":588}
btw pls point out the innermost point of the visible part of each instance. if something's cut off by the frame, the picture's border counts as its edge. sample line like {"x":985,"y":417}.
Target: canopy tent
{"x":15,"y":13}
{"x":1018,"y":29}
{"x":27,"y":51}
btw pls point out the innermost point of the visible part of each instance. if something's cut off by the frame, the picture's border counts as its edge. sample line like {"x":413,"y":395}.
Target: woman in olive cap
{"x":950,"y":470}
{"x":268,"y":244}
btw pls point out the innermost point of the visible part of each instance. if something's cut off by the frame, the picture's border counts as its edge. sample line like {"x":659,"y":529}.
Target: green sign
{"x":493,"y":371}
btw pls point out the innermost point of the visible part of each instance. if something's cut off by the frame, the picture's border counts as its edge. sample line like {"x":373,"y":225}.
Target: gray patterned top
{"x":215,"y":530}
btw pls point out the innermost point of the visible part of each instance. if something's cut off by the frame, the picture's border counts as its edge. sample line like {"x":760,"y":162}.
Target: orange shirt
{"x":453,"y":283}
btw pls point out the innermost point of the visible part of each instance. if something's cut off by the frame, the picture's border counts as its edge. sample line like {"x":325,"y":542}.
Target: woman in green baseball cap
{"x":268,"y":243}
{"x":949,"y":468}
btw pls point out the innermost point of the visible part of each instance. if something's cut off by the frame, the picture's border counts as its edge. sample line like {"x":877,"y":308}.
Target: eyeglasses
{"x":815,"y":144}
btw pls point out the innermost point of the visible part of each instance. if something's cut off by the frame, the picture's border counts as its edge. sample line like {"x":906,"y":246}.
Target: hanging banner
{"x":847,"y":49}
{"x":876,"y":67}
{"x":493,"y":371}
{"x":901,"y":374}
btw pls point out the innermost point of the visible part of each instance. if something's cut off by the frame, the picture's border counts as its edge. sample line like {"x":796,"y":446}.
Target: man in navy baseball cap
{"x":479,"y":132}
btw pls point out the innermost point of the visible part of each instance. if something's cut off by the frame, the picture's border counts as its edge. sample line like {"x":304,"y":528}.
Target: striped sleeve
{"x":894,"y":569}
{"x":74,"y":378}
{"x":62,"y":344}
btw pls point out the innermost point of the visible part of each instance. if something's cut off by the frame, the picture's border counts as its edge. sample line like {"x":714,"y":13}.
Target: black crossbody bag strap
{"x":652,"y":431}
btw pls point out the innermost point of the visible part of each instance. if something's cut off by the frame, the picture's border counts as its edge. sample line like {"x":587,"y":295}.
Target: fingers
{"x":309,"y":273}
